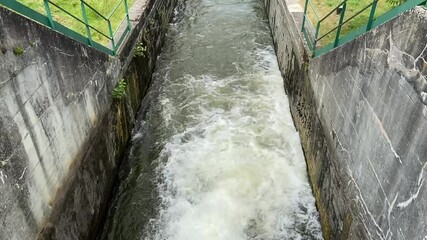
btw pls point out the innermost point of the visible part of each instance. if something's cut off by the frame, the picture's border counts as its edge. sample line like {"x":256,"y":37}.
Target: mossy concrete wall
{"x":61,"y":133}
{"x":361,"y":113}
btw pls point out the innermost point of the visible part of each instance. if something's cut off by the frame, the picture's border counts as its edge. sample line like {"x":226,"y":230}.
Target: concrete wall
{"x":61,"y":133}
{"x":362,"y":116}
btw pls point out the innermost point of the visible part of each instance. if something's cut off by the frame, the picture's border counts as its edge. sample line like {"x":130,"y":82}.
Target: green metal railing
{"x":312,"y":33}
{"x":48,"y":21}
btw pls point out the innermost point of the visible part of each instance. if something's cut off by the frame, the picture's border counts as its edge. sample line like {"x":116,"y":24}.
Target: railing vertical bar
{"x":372,"y":15}
{"x":305,"y":14}
{"x":112,"y":37}
{"x":85,"y":19}
{"x":337,"y":37}
{"x":314,"y":10}
{"x":127,"y":14}
{"x":370,"y":23}
{"x":49,"y":13}
{"x":316,"y":35}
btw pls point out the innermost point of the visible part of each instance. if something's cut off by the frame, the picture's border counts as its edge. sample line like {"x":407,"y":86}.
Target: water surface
{"x":215,"y":154}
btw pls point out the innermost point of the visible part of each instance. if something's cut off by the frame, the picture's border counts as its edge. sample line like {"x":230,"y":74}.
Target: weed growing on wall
{"x":140,"y":50}
{"x":306,"y":65}
{"x":120,"y":90}
{"x":18,"y":51}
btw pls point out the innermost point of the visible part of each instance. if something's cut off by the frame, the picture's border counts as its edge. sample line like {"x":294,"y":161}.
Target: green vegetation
{"x":323,"y":7}
{"x":120,"y":90}
{"x":74,"y":7}
{"x":140,"y":50}
{"x":18,"y":51}
{"x":306,"y":65}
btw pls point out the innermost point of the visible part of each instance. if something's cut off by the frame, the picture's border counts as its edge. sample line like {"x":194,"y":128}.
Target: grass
{"x":105,"y":7}
{"x":323,"y":7}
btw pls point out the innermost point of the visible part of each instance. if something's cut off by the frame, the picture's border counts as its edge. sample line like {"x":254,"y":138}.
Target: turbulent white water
{"x":237,"y":171}
{"x":216,"y":156}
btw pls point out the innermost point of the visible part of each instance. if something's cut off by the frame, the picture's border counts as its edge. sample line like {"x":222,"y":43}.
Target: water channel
{"x":215,"y":154}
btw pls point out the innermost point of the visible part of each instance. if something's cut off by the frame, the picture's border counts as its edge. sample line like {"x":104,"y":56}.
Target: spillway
{"x":215,"y":154}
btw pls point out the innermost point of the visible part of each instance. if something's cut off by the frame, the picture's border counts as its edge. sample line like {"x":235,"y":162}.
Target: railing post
{"x":337,"y":37}
{"x":305,"y":13}
{"x":112,"y":36}
{"x":49,"y":13}
{"x":127,"y":13}
{"x":372,"y":15}
{"x":89,"y":37}
{"x":315,"y":38}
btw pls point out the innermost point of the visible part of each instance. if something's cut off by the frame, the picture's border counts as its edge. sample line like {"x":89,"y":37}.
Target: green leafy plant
{"x":140,"y":50}
{"x":306,"y":65}
{"x":18,"y":51}
{"x":120,"y":90}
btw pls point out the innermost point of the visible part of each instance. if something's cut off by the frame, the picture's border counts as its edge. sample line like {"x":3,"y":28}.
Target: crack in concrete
{"x":360,"y":199}
{"x":2,"y":177}
{"x":395,"y":58}
{"x":23,"y":173}
{"x":406,"y":203}
{"x":62,"y":52}
{"x":390,"y":210}
{"x":413,"y":197}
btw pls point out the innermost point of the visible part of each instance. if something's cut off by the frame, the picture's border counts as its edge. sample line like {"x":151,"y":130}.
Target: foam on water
{"x":215,"y":154}
{"x":235,"y":168}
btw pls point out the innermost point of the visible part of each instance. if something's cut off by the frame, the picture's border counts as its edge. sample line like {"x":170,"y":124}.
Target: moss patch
{"x":18,"y":51}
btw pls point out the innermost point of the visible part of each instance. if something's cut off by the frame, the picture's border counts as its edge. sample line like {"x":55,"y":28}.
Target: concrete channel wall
{"x":361,"y":111}
{"x":61,"y":133}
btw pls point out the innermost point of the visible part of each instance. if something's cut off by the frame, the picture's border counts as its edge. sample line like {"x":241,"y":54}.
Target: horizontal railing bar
{"x":71,"y":15}
{"x":26,"y":11}
{"x":326,"y":34}
{"x":346,"y":21}
{"x":376,"y":22}
{"x":43,"y":19}
{"x":327,"y":15}
{"x":114,"y":10}
{"x":68,"y":13}
{"x":358,"y":13}
{"x":93,"y":9}
{"x":103,"y":48}
{"x":103,"y":34}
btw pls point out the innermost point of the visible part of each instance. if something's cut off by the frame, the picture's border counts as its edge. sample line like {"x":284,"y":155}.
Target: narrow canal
{"x":215,"y":154}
